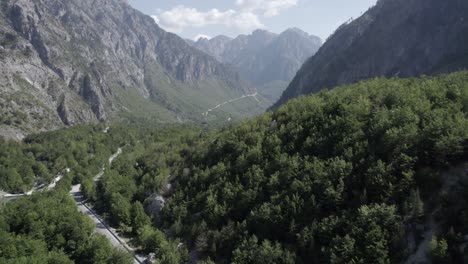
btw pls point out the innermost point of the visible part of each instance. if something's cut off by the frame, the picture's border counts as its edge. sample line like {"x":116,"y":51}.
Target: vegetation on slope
{"x":83,"y":150}
{"x":37,"y":160}
{"x":48,"y":228}
{"x":342,"y":176}
{"x":331,"y":177}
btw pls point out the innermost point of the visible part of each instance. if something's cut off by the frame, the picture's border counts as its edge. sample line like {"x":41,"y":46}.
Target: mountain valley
{"x":269,"y":61}
{"x":123,"y":143}
{"x":59,"y":69}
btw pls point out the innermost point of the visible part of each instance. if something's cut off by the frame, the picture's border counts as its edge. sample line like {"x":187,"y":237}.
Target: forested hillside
{"x":120,"y":141}
{"x":47,"y":228}
{"x":41,"y":157}
{"x":341,"y":176}
{"x":349,"y":175}
{"x":374,"y":172}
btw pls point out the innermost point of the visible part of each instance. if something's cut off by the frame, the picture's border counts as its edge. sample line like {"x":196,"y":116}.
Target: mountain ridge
{"x":92,"y":61}
{"x":268,"y":60}
{"x":392,"y":39}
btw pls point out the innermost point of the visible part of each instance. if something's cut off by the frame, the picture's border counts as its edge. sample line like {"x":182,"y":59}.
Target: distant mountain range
{"x":68,"y":62}
{"x":396,"y":38}
{"x":269,"y":61}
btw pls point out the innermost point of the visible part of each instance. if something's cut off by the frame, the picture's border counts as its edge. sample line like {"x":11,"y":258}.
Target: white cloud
{"x":199,"y":36}
{"x":244,"y":18}
{"x":181,"y":17}
{"x":269,"y":8}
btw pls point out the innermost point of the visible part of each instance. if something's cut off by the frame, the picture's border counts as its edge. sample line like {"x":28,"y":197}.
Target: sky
{"x":209,"y":18}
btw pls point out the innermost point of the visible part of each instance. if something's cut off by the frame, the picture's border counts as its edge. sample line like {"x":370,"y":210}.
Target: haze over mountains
{"x":69,"y":62}
{"x":398,"y":38}
{"x":268,"y":60}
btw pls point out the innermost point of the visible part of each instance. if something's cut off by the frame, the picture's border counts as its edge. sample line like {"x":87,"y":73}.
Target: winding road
{"x":101,"y":226}
{"x":76,"y":193}
{"x":8,"y":197}
{"x":254,"y":95}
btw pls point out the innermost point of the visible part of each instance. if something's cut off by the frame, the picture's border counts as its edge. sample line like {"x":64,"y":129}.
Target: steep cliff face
{"x":283,"y":57}
{"x":399,"y":38}
{"x":269,"y":61}
{"x":98,"y":60}
{"x":215,"y":46}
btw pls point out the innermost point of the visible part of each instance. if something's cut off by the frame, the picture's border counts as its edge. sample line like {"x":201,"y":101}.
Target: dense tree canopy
{"x":48,"y":228}
{"x":333,"y":177}
{"x":41,"y":157}
{"x":343,"y":176}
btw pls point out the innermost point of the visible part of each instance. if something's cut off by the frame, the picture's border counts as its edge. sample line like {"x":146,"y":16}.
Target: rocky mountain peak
{"x":299,"y":33}
{"x":262,"y":34}
{"x":222,"y":38}
{"x":296,"y":31}
{"x":266,"y":59}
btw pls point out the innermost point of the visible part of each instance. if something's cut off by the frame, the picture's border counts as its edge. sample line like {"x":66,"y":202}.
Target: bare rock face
{"x":94,"y":60}
{"x":215,"y":46}
{"x":155,"y":204}
{"x":396,"y":38}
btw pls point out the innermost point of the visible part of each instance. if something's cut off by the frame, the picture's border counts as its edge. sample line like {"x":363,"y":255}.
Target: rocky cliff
{"x":68,"y":62}
{"x":396,"y":38}
{"x":269,"y":61}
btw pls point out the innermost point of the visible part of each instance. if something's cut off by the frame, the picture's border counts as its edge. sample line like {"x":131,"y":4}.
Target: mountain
{"x":269,"y":61}
{"x":374,"y":172}
{"x":215,"y":46}
{"x":66,"y":62}
{"x":395,"y":38}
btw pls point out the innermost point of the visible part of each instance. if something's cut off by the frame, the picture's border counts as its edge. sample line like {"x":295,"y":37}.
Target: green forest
{"x":358,"y":174}
{"x":47,"y":228}
{"x":338,"y":177}
{"x":39,"y":158}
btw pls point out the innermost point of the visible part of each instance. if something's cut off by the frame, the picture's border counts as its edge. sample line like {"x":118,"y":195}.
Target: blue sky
{"x":191,"y":19}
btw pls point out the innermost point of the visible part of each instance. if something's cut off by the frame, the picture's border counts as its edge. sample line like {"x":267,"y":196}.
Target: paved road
{"x":101,"y":226}
{"x":111,"y":159}
{"x":7,"y":197}
{"x":254,"y":95}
